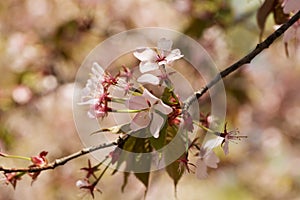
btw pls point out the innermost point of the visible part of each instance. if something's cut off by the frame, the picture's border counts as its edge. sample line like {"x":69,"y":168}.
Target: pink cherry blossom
{"x":151,"y":111}
{"x":96,"y":93}
{"x":151,"y":60}
{"x":206,"y":158}
{"x":93,"y":88}
{"x":229,"y":136}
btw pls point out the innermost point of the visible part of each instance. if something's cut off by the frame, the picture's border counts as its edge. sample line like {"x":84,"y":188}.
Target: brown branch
{"x":60,"y":161}
{"x":245,"y":60}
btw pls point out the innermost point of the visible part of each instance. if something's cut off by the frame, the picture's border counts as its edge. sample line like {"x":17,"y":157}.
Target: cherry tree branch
{"x":245,"y":60}
{"x":60,"y":161}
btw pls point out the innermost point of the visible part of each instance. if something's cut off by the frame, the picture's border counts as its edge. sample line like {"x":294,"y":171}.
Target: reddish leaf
{"x":279,"y":16}
{"x":262,"y":14}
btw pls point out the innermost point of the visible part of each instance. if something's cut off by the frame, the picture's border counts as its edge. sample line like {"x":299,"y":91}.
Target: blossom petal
{"x":140,"y":120}
{"x":211,"y":159}
{"x":212,"y":143}
{"x":97,"y":70}
{"x":201,"y":169}
{"x":88,"y":102}
{"x":137,"y":103}
{"x":145,"y":54}
{"x":174,"y":55}
{"x":163,"y":108}
{"x":225,"y":147}
{"x":156,"y":124}
{"x":150,"y":97}
{"x":148,"y":78}
{"x":146,"y":66}
{"x":164,"y":44}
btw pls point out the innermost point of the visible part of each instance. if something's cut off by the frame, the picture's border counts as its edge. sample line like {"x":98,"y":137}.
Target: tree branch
{"x":60,"y":161}
{"x":245,"y":60}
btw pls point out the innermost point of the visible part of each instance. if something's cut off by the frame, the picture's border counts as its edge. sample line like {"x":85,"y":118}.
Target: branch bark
{"x":60,"y":161}
{"x":245,"y":60}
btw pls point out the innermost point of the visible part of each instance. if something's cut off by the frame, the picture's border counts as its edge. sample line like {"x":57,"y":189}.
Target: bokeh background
{"x":43,"y":43}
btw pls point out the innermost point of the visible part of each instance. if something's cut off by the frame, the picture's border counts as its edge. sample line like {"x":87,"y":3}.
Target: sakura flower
{"x":229,"y":136}
{"x":206,"y":158}
{"x":96,"y":93}
{"x":151,"y":110}
{"x":93,"y":88}
{"x":151,"y":60}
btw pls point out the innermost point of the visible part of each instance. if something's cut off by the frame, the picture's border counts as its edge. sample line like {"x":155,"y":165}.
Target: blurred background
{"x":44,"y":42}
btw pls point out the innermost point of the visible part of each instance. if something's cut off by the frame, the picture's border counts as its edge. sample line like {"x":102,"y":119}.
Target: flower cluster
{"x":158,"y":117}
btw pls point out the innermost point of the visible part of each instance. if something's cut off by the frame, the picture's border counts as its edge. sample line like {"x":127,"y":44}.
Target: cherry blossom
{"x":151,"y":110}
{"x":93,"y":88}
{"x":151,"y":60}
{"x":206,"y":158}
{"x":229,"y":136}
{"x":96,"y":92}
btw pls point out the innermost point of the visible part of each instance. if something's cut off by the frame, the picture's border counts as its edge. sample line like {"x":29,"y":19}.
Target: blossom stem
{"x":166,"y":79}
{"x":15,"y":157}
{"x":118,"y":100}
{"x":128,"y":111}
{"x":205,"y":128}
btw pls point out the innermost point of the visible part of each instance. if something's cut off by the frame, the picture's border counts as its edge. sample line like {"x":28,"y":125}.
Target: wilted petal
{"x":145,"y":54}
{"x":201,"y":169}
{"x":137,"y":103}
{"x":148,"y":78}
{"x":164,"y":44}
{"x":211,"y":159}
{"x":156,"y":124}
{"x":146,"y":66}
{"x":140,"y":120}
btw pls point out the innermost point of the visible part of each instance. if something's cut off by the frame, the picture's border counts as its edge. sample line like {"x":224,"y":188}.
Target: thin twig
{"x":245,"y":60}
{"x":60,"y":161}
